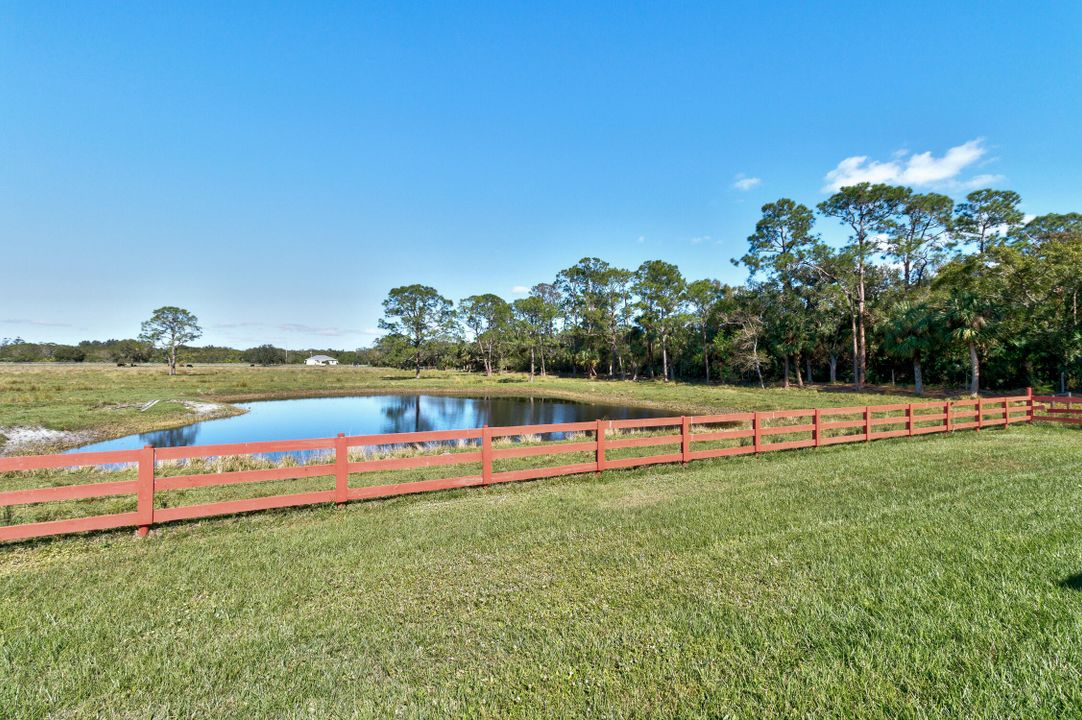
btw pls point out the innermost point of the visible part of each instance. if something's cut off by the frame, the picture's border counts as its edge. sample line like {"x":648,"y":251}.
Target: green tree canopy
{"x":167,"y":329}
{"x":420,"y":315}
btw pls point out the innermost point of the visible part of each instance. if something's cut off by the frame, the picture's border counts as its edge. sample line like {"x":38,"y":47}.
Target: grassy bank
{"x":928,"y":577}
{"x":97,"y":401}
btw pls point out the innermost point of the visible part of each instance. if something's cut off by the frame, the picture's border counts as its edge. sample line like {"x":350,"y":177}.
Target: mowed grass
{"x":926,"y":577}
{"x":107,"y":401}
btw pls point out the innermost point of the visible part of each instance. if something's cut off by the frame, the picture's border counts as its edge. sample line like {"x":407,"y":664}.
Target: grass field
{"x":101,"y":401}
{"x":927,"y":577}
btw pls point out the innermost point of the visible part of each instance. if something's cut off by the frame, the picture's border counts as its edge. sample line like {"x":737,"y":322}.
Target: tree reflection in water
{"x":173,"y":437}
{"x":278,"y":420}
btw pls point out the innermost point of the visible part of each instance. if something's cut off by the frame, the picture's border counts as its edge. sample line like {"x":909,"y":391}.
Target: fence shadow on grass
{"x":1072,"y":582}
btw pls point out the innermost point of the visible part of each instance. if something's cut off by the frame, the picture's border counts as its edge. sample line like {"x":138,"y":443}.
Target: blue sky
{"x":276,"y":168}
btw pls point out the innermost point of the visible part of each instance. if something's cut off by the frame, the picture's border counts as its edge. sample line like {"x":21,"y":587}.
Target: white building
{"x":320,"y":360}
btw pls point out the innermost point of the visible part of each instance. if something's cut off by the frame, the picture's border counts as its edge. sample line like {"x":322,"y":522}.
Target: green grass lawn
{"x":926,"y":577}
{"x":106,"y":401}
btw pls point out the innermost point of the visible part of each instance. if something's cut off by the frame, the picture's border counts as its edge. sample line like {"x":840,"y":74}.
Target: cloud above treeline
{"x":923,"y":169}
{"x":35,"y":323}
{"x":744,"y":183}
{"x":298,"y":328}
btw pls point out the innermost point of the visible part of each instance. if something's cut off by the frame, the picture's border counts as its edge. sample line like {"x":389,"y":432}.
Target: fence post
{"x":757,"y":432}
{"x":341,"y":470}
{"x":145,"y":490}
{"x":1029,"y":404}
{"x":909,"y":419}
{"x":980,"y":413}
{"x":815,"y":427}
{"x":486,"y":455}
{"x":685,"y":439}
{"x":867,"y":423}
{"x":947,"y":412}
{"x":599,"y":437}
{"x":1006,"y":412}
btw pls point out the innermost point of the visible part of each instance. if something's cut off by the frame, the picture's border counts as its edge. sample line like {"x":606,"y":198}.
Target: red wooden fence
{"x":1059,"y":409}
{"x":676,"y":436}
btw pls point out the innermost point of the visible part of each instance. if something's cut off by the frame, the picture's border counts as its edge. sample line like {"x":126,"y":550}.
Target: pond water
{"x":326,"y":417}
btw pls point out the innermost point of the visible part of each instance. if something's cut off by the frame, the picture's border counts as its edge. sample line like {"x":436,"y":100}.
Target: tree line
{"x":970,"y":294}
{"x":133,"y":351}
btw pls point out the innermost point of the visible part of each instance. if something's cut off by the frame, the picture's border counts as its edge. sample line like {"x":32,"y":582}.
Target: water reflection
{"x":376,"y":414}
{"x":186,"y":435}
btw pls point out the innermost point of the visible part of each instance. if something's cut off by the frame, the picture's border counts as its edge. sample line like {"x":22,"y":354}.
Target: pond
{"x":368,"y":415}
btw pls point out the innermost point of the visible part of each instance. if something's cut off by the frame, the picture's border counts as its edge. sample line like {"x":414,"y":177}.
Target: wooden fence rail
{"x":673,"y":440}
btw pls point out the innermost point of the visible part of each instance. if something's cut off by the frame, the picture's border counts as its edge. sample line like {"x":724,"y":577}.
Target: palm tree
{"x":910,"y":334}
{"x":968,"y":326}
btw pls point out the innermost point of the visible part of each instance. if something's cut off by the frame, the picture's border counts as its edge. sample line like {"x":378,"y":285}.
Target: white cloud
{"x":316,"y":330}
{"x":23,"y":321}
{"x":520,"y":290}
{"x":981,"y":181}
{"x":920,"y":169}
{"x":699,"y":240}
{"x":744,"y":183}
{"x":641,"y":240}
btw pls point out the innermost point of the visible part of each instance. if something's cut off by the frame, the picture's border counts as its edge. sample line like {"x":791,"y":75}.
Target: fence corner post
{"x":599,"y":441}
{"x":947,"y":413}
{"x":816,"y":435}
{"x":486,"y":455}
{"x":757,"y":432}
{"x":685,"y":439}
{"x":909,"y":419}
{"x":145,"y":491}
{"x":1029,"y":404}
{"x":1006,"y":411}
{"x":341,"y":470}
{"x":867,"y":423}
{"x":980,"y":413}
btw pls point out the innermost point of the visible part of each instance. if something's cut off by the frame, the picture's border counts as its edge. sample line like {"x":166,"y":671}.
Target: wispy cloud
{"x":641,"y":240}
{"x":700,"y":240}
{"x":35,"y":323}
{"x":918,"y":169}
{"x":520,"y":290}
{"x":296,"y":328}
{"x":743,"y":182}
{"x":316,"y":330}
{"x":235,"y":325}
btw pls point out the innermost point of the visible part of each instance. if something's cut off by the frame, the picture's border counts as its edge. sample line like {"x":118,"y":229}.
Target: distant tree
{"x":661,"y":290}
{"x":827,"y":326}
{"x":548,"y":312}
{"x":705,"y":298}
{"x":918,"y":240}
{"x":868,"y":211}
{"x":129,"y":351}
{"x":488,"y":318}
{"x":969,"y":327}
{"x":596,"y":302}
{"x":1047,"y":288}
{"x":68,"y":353}
{"x":987,"y":217}
{"x":780,"y":249}
{"x":532,"y":319}
{"x":419,"y":314}
{"x":746,"y":317}
{"x":169,"y":328}
{"x":910,"y":333}
{"x":265,"y":355}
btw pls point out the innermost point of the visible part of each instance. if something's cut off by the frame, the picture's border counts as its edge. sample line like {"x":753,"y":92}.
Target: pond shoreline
{"x":104,"y":402}
{"x":369,"y":414}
